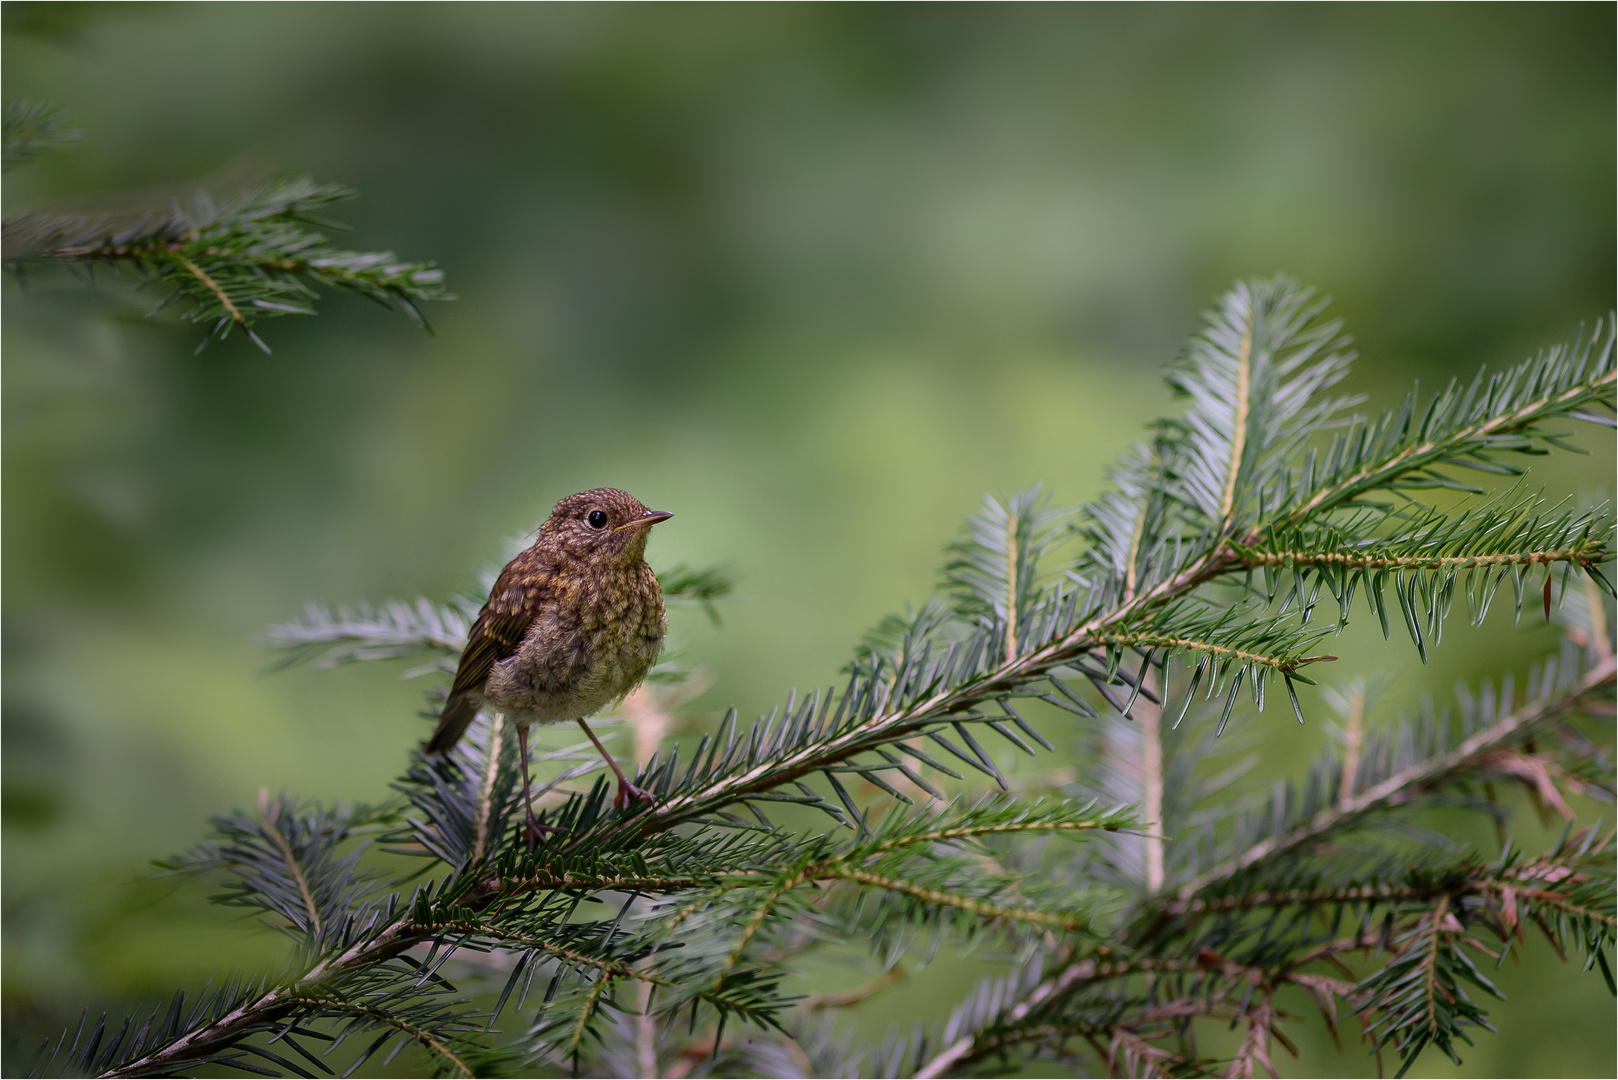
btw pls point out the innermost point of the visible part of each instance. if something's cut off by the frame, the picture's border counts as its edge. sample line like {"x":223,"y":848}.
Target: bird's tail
{"x":457,"y":716}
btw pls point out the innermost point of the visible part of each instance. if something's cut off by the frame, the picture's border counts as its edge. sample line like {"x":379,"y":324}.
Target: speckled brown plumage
{"x":571,"y":624}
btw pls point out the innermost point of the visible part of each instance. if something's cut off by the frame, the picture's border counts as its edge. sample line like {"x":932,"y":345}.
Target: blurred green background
{"x":812,"y":277}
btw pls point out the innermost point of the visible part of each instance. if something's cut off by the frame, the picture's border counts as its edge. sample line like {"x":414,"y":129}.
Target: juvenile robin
{"x":572,"y":623}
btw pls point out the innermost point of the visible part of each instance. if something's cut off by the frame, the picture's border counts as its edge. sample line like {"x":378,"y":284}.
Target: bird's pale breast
{"x":589,"y":645}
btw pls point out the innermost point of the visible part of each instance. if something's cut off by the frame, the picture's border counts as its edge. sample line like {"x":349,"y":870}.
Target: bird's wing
{"x":514,"y":603}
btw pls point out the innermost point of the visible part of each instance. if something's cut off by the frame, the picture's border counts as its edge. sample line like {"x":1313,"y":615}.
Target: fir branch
{"x":1574,"y":893}
{"x":995,"y":575}
{"x":435,"y":1045}
{"x":1346,"y":894}
{"x":1411,"y":783}
{"x":294,"y":870}
{"x":1417,"y":999}
{"x":1583,"y":555}
{"x":1151,"y":768}
{"x":1161,"y":1018}
{"x":628,"y":963}
{"x":1134,"y":507}
{"x":232,"y":257}
{"x":963,"y":903}
{"x":1427,"y":549}
{"x":1503,"y":885}
{"x":887,"y":708}
{"x":1222,"y":652}
{"x":941,"y":676}
{"x":1242,"y":398}
{"x":32,"y":128}
{"x":1504,"y":412}
{"x":330,"y":637}
{"x":1255,"y":379}
{"x":1008,"y":829}
{"x":507,"y":939}
{"x":1261,"y":1019}
{"x":288,"y":861}
{"x":483,"y":819}
{"x":713,"y":903}
{"x":582,"y":1026}
{"x":395,"y":938}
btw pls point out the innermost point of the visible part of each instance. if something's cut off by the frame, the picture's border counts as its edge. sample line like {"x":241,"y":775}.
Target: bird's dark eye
{"x":597,"y":519}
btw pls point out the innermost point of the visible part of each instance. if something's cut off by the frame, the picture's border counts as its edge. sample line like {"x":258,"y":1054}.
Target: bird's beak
{"x":645,"y":521}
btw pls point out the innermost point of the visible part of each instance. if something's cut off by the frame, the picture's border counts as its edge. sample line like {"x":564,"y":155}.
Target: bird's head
{"x":601,"y":526}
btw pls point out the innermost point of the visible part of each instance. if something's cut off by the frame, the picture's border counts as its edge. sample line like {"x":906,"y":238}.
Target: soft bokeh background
{"x":813,"y":277}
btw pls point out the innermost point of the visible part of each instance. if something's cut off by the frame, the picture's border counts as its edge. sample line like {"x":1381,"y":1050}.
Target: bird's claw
{"x":628,"y":792}
{"x":534,"y":832}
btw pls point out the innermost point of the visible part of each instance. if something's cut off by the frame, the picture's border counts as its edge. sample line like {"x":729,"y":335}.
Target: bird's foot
{"x":533,"y":832}
{"x":628,"y":792}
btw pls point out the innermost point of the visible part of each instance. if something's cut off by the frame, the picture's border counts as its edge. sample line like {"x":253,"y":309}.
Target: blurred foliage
{"x":813,"y":276}
{"x":31,"y":129}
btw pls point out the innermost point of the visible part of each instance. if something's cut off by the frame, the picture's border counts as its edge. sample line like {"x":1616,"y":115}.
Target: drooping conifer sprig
{"x":1215,"y":546}
{"x":32,"y":128}
{"x":227,"y":252}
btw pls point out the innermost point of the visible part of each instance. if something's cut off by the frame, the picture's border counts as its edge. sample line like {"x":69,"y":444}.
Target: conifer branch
{"x":1151,"y":765}
{"x":32,"y":128}
{"x":486,"y":796}
{"x":755,"y":922}
{"x":1238,"y":435}
{"x":249,"y":255}
{"x":978,"y":831}
{"x":1160,"y":641}
{"x":438,"y":1047}
{"x":1499,"y":889}
{"x":1475,"y":439}
{"x":963,"y":903}
{"x":1415,"y":781}
{"x":1583,"y":555}
{"x":1217,"y":542}
{"x":231,"y":249}
{"x":296,"y":871}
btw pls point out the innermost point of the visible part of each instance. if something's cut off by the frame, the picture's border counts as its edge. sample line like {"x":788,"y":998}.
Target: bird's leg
{"x":626,"y":790}
{"x":533,"y":830}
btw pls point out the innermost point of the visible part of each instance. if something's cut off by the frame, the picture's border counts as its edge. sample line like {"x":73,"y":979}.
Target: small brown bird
{"x":571,"y":624}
